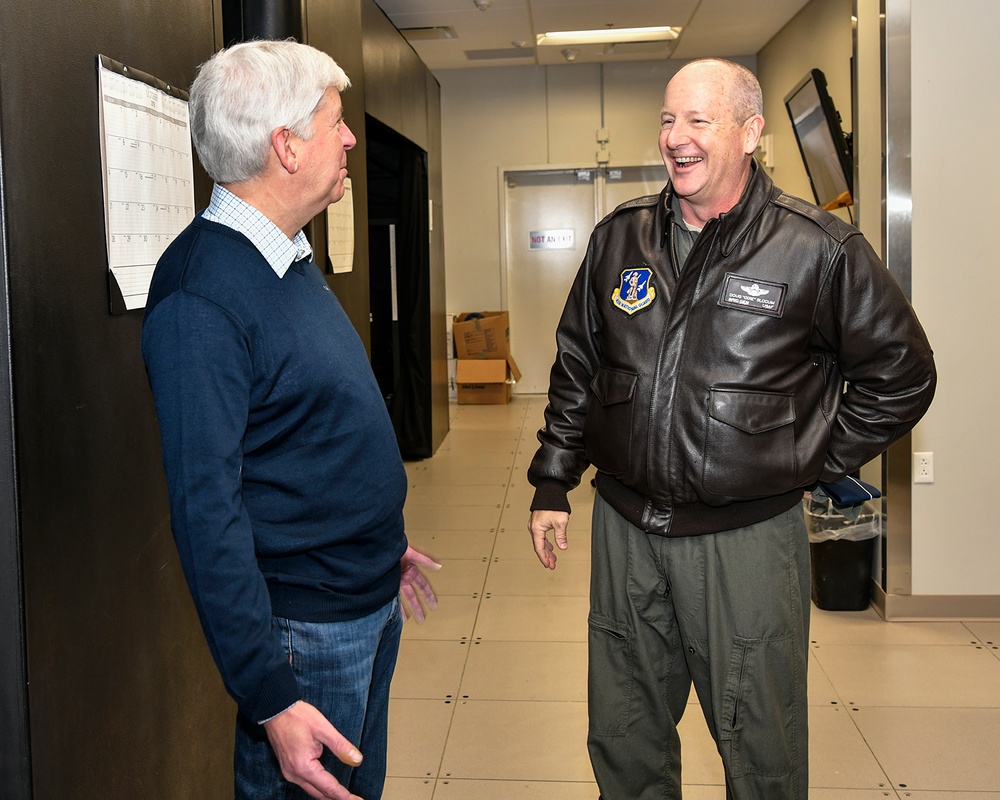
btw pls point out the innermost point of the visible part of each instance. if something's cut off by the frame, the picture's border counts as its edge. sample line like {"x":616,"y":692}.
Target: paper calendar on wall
{"x":148,"y":175}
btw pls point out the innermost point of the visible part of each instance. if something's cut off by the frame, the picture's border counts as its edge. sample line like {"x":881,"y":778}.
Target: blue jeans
{"x":344,"y":669}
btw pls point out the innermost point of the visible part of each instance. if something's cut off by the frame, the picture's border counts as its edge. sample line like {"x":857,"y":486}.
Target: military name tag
{"x":751,"y":294}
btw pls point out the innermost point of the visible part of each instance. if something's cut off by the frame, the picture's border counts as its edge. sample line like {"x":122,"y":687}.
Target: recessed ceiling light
{"x":492,"y":55}
{"x":422,"y":34}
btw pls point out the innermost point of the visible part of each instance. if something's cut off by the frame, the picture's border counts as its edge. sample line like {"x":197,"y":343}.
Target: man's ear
{"x":754,"y":128}
{"x":284,"y":143}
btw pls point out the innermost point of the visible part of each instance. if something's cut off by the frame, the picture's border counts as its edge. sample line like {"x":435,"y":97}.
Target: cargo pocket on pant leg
{"x":610,"y":676}
{"x":762,"y":729}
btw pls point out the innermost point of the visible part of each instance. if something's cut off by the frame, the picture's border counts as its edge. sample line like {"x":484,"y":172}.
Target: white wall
{"x":526,"y":117}
{"x":535,"y":116}
{"x":488,"y":117}
{"x":956,"y":286}
{"x":819,"y":36}
{"x":955,"y":536}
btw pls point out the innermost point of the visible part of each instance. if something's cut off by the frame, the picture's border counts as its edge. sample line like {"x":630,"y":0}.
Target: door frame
{"x":600,"y":181}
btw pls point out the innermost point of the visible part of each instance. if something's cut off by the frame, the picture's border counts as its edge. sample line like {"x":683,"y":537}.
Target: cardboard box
{"x":482,"y":334}
{"x":452,"y":380}
{"x":484,"y":369}
{"x":449,"y":341}
{"x":485,"y":381}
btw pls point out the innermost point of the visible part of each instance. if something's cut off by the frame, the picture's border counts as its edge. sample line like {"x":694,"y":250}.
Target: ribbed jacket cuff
{"x":551,"y":496}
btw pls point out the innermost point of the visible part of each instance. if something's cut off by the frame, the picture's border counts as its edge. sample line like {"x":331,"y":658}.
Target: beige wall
{"x":495,"y":118}
{"x":500,"y":118}
{"x":819,"y":36}
{"x":488,"y":117}
{"x":955,"y":536}
{"x":956,"y":283}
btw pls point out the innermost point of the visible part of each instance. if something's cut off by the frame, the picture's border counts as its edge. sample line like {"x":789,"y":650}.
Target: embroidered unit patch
{"x":751,"y":294}
{"x":636,"y":291}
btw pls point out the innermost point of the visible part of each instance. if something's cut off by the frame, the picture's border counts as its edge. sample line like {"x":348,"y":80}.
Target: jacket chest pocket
{"x":749,"y":444}
{"x":607,"y":430}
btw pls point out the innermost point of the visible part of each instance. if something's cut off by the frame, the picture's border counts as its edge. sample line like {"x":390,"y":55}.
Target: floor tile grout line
{"x":458,"y":688}
{"x":475,"y":621}
{"x":980,"y":640}
{"x":852,"y":708}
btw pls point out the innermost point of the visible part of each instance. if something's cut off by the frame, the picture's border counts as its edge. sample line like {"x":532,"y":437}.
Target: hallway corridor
{"x":489,"y":699}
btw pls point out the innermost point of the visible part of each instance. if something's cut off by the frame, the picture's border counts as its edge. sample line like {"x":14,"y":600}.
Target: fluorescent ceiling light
{"x":608,"y":36}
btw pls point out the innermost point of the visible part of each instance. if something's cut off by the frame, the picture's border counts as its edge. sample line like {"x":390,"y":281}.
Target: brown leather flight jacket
{"x":709,"y":398}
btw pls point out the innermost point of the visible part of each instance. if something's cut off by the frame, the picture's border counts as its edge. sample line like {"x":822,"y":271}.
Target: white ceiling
{"x":710,"y":28}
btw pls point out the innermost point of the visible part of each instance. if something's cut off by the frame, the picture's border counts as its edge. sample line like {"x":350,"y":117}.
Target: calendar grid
{"x":148,"y":176}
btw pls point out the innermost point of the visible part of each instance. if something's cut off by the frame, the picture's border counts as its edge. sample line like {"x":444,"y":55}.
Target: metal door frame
{"x":600,"y":178}
{"x":502,"y":186}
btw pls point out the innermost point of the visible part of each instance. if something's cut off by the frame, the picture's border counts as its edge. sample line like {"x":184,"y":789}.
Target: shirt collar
{"x":679,"y":221}
{"x":278,"y":250}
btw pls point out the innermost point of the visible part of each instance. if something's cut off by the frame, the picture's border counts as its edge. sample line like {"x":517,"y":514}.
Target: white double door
{"x":548,"y":218}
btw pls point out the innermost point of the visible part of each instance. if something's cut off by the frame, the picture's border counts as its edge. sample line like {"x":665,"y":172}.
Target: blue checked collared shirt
{"x":229,"y":210}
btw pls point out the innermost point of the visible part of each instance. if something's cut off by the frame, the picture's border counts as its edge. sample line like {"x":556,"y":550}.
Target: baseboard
{"x":911,"y":608}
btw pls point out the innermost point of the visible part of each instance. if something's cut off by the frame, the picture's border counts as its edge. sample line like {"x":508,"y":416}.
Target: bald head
{"x":734,"y":83}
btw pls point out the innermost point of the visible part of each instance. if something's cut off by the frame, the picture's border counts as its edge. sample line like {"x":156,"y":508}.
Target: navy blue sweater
{"x":285,"y":480}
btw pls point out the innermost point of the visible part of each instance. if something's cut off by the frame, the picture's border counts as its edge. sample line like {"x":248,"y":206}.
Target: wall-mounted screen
{"x":825,"y":149}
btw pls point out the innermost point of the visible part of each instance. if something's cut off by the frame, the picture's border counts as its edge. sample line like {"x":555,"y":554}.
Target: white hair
{"x":244,"y":92}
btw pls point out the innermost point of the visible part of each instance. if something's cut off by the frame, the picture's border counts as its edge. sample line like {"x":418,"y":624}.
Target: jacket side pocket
{"x":607,"y":429}
{"x":749,"y":444}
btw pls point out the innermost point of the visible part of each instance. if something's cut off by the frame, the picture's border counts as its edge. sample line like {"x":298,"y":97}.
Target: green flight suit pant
{"x":728,"y":612}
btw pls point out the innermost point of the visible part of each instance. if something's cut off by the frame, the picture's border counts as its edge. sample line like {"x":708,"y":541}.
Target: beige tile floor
{"x":489,"y":699}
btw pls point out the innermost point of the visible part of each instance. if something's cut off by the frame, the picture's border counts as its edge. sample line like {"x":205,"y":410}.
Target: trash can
{"x":842,"y":551}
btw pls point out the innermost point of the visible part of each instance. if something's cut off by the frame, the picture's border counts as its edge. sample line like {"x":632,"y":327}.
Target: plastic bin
{"x":842,"y":552}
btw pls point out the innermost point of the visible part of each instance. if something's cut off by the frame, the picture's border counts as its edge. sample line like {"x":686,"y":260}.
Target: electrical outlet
{"x":923,"y":468}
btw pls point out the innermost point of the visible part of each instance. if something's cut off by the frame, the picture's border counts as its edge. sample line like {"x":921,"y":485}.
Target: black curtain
{"x":401,"y":352}
{"x":411,"y":413}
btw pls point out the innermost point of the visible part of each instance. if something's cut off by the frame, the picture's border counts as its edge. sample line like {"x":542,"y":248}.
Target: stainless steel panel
{"x":897,"y":228}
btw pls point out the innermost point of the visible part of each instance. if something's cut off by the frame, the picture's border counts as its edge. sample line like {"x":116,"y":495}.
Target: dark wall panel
{"x":334,"y":26}
{"x":15,"y":763}
{"x":402,"y":93}
{"x":439,"y":320}
{"x":396,"y":82}
{"x":123,"y":698}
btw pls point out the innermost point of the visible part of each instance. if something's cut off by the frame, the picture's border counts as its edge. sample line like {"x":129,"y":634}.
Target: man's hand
{"x":297,"y":737}
{"x":539,"y":525}
{"x":413,"y":583}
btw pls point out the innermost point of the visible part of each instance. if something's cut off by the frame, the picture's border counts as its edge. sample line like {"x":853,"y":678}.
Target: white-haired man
{"x":286,"y":484}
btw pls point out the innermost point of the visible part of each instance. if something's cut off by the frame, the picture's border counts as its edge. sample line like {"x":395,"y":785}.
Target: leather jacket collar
{"x":738,"y":220}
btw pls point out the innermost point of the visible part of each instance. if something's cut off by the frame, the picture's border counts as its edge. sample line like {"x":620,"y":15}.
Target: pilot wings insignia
{"x":754,"y":290}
